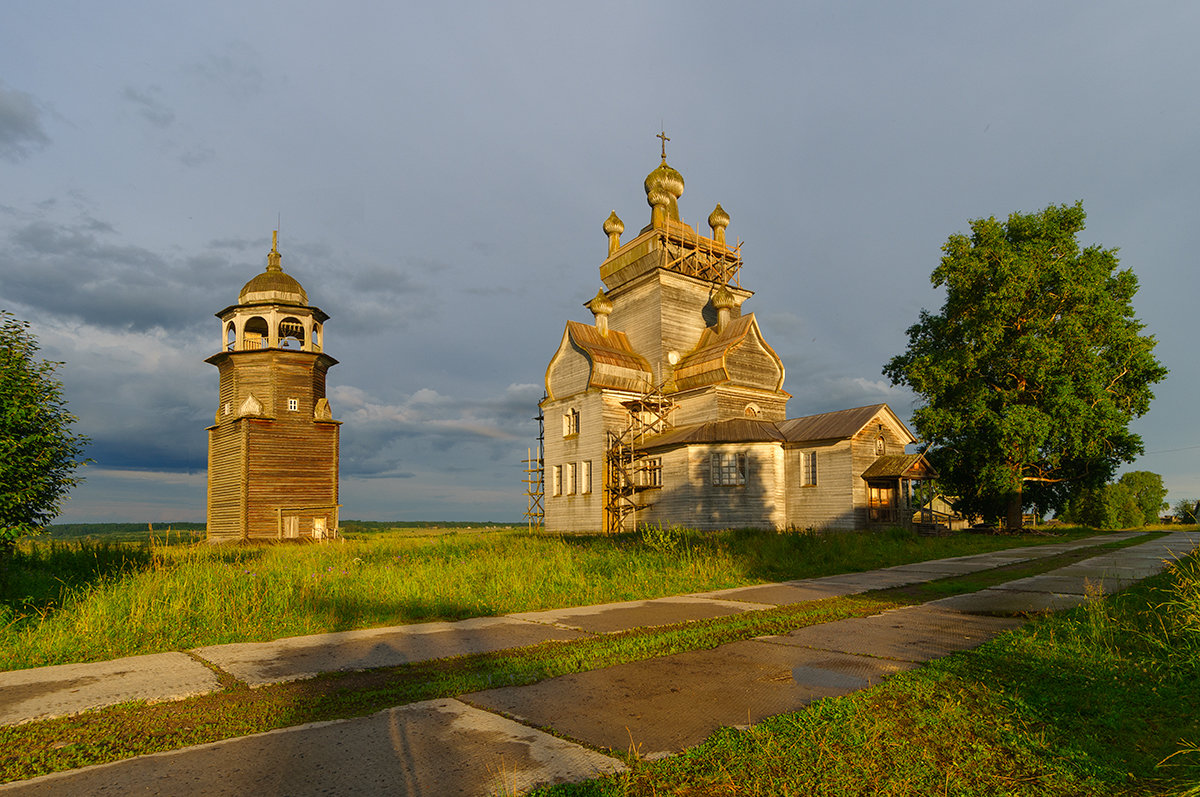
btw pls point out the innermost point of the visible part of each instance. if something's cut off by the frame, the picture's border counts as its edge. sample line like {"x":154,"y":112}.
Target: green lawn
{"x":90,"y":600}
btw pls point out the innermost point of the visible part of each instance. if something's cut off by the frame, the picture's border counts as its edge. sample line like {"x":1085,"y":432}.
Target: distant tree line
{"x":1134,"y":500}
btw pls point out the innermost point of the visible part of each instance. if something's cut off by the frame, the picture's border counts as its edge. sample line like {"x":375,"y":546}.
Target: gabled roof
{"x":837,"y":425}
{"x":900,"y":466}
{"x":707,"y":363}
{"x":611,"y":361}
{"x":610,"y":349}
{"x":733,"y":430}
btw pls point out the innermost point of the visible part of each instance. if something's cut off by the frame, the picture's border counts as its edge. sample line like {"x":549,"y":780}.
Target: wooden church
{"x":669,"y":408}
{"x":273,"y":446}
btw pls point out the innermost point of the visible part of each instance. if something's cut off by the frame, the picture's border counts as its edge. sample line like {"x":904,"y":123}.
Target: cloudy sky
{"x":440,"y":173}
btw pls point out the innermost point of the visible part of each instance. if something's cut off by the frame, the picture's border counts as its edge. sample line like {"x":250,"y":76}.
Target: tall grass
{"x":87,"y":600}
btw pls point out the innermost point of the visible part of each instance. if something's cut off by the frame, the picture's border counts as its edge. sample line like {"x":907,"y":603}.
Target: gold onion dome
{"x":724,"y":299}
{"x":718,"y":219}
{"x":663,"y":184}
{"x":600,"y":304}
{"x":613,"y":225}
{"x":273,"y":285}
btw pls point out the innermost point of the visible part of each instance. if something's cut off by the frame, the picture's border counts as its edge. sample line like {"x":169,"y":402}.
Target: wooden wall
{"x":689,"y":498}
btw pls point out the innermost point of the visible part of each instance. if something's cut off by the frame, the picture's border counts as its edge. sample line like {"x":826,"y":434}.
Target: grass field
{"x":89,"y":599}
{"x":1101,"y":700}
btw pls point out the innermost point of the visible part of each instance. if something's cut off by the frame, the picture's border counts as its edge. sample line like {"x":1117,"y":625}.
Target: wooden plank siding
{"x":829,"y":504}
{"x":274,"y":460}
{"x":688,"y":496}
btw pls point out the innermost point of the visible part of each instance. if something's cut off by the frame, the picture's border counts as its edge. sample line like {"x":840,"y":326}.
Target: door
{"x":881,"y":503}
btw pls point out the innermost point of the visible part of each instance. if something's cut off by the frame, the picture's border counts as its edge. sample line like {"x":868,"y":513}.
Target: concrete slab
{"x":783,"y":593}
{"x":1007,"y":602}
{"x":944,"y":568}
{"x":870,"y":580}
{"x":438,"y":747}
{"x":660,"y":706}
{"x":65,"y":689}
{"x":608,"y":618}
{"x":914,"y":633}
{"x":294,"y":658}
{"x":1057,"y":583}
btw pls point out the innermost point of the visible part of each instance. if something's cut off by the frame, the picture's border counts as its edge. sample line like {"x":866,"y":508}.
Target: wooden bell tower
{"x":273,"y":446}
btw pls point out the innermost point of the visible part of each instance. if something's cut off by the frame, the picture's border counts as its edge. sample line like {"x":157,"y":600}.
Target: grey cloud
{"x":21,"y":132}
{"x":69,"y":270}
{"x":236,"y":70}
{"x":150,"y":105}
{"x":197,"y":156}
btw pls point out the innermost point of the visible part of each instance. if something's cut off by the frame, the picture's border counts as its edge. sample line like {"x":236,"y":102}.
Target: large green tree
{"x":1148,"y":489}
{"x":39,"y":452}
{"x":1029,"y":376}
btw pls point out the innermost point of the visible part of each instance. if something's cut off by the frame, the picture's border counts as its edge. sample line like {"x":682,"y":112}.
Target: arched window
{"x":880,"y":446}
{"x":316,"y":337}
{"x":230,"y":336}
{"x":255,"y":334}
{"x":291,"y":333}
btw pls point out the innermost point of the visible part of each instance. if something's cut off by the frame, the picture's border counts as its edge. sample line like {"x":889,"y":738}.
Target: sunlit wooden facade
{"x":670,"y":407}
{"x":273,"y":445}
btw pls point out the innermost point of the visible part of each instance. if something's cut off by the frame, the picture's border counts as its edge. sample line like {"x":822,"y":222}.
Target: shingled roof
{"x":826,"y":426}
{"x":733,"y":430}
{"x":834,"y":425}
{"x":614,"y":362}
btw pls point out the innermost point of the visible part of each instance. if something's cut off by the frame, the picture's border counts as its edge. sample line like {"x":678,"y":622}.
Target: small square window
{"x":293,"y":404}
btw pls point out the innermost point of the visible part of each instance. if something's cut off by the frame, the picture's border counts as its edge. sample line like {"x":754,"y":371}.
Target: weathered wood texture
{"x":280,"y":458}
{"x":688,"y":497}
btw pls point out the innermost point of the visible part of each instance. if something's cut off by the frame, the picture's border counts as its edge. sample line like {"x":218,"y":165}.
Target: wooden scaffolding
{"x":626,"y":471}
{"x":535,"y":479}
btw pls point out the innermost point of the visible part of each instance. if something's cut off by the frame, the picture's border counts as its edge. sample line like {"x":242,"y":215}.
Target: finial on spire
{"x":663,"y":135}
{"x":273,"y":257}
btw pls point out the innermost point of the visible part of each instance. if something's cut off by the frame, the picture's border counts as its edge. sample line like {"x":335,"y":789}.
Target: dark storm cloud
{"x":75,"y":271}
{"x":149,"y":104}
{"x":21,"y":132}
{"x":429,"y":431}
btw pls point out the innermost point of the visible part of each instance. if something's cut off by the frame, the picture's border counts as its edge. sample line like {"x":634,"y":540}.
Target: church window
{"x":293,"y":404}
{"x":227,"y":407}
{"x":230,"y":337}
{"x":585,"y":477}
{"x":727,"y":468}
{"x":556,"y":482}
{"x":571,"y":423}
{"x":880,"y":446}
{"x":570,"y":478}
{"x":652,"y":472}
{"x":752,"y":410}
{"x":808,"y":469}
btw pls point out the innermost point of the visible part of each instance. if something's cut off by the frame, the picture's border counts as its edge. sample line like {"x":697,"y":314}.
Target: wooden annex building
{"x":273,"y":446}
{"x":670,"y":408}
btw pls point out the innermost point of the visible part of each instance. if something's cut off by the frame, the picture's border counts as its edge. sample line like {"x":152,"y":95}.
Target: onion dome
{"x":718,"y":219}
{"x":273,"y":285}
{"x":663,"y":186}
{"x":613,"y":225}
{"x":600,"y":304}
{"x":724,"y":299}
